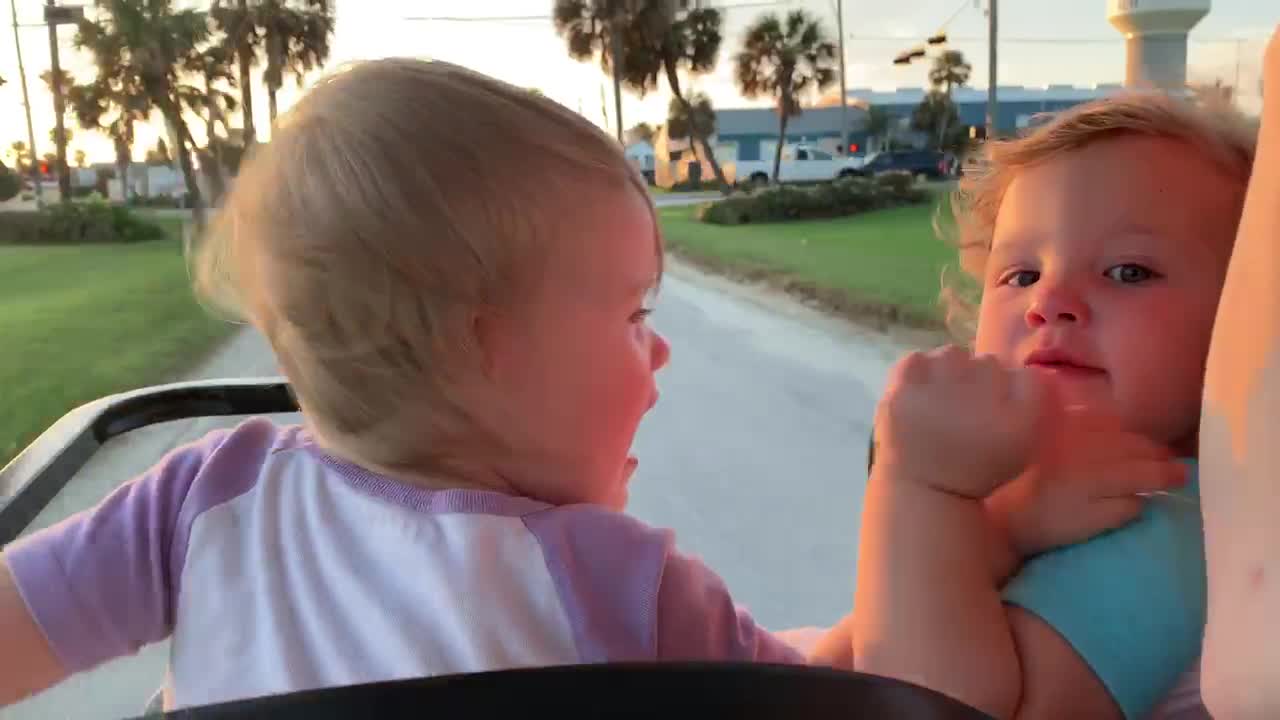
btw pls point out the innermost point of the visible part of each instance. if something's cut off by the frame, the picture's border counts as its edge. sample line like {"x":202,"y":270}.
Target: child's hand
{"x":958,"y":423}
{"x":1085,"y":479}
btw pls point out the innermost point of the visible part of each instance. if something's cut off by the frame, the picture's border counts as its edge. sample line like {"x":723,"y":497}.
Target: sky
{"x":1041,"y":43}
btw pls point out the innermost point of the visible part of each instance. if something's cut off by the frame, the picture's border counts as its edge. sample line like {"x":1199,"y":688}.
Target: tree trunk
{"x":273,"y":75}
{"x":217,"y":182}
{"x":782,"y":140}
{"x":673,"y":80}
{"x":244,"y":55}
{"x":174,"y":118}
{"x":122,"y":167}
{"x":122,"y":172}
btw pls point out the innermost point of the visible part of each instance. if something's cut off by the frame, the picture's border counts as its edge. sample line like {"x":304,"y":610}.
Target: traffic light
{"x":44,"y":168}
{"x":853,"y":148}
{"x":905,"y":58}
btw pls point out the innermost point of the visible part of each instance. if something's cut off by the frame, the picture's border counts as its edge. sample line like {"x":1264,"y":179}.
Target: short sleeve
{"x":698,"y":620}
{"x":630,"y":595}
{"x":1131,"y":602}
{"x":99,"y":584}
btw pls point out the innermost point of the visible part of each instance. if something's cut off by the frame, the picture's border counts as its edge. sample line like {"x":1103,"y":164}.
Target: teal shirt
{"x":1130,"y":601}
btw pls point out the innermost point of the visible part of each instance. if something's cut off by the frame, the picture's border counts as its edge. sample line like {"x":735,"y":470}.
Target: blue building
{"x":752,"y":133}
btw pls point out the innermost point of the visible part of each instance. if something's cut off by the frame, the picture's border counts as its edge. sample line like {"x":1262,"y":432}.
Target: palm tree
{"x":297,"y":41}
{"x":293,"y":35}
{"x":641,"y":132}
{"x":694,"y":118}
{"x":63,"y":84}
{"x":597,"y":26}
{"x":659,"y":39}
{"x":950,"y":70}
{"x":205,"y":98}
{"x":81,"y":158}
{"x":236,"y":23}
{"x":687,"y":40}
{"x":67,"y":134}
{"x":784,"y":59}
{"x":113,"y":105}
{"x":148,"y":44}
{"x":21,"y":156}
{"x":935,"y":114}
{"x":878,"y":120}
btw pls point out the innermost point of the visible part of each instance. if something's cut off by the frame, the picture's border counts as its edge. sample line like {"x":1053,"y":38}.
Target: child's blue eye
{"x":1020,"y":278}
{"x":1129,"y":273}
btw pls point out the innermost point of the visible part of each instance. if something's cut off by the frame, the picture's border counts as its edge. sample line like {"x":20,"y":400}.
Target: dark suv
{"x":930,"y":163}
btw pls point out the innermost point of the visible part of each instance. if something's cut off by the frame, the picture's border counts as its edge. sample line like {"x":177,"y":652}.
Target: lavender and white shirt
{"x":276,"y":567}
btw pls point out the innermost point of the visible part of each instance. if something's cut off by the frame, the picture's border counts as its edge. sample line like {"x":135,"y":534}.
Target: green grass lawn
{"x":886,"y":263}
{"x":79,"y":322}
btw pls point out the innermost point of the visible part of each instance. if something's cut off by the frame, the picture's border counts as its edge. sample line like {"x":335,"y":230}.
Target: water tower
{"x":1155,"y":33}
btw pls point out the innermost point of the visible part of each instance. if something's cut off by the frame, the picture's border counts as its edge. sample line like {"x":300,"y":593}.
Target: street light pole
{"x":991,"y":70}
{"x":26,"y":101}
{"x":615,"y":49}
{"x":64,"y":176}
{"x":844,"y":87}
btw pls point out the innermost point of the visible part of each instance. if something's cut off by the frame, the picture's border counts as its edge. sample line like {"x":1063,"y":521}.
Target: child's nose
{"x":1057,"y":304}
{"x":660,"y":351}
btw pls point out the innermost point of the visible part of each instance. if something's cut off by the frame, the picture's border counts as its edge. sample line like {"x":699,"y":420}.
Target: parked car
{"x":801,"y":162}
{"x":929,"y":163}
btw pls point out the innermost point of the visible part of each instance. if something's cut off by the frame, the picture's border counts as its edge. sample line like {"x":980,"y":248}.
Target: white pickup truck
{"x":800,"y":163}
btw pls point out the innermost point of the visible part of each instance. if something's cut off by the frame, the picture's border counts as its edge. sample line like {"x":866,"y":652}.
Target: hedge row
{"x":75,"y":224}
{"x":848,"y":196}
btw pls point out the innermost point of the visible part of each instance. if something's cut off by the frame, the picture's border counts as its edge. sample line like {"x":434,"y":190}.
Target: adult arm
{"x":1239,"y":444}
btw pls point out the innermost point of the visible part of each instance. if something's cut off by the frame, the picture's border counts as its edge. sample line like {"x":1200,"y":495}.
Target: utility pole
{"x":26,"y":102}
{"x":55,"y":16}
{"x":991,"y":70}
{"x":844,"y":86}
{"x":615,"y":50}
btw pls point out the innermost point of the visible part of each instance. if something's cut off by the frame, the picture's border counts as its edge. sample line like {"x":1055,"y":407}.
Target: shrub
{"x":847,"y":196}
{"x":161,"y":201}
{"x":76,"y":223}
{"x":697,"y":186}
{"x":898,"y":181}
{"x":10,"y":183}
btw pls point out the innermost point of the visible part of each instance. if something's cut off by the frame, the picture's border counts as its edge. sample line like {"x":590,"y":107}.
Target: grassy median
{"x":79,"y":322}
{"x":883,"y":266}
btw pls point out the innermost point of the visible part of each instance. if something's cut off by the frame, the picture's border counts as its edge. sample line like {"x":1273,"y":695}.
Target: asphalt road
{"x":755,"y":455}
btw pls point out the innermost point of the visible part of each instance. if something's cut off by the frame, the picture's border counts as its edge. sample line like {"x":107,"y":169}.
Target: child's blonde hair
{"x":396,"y":200}
{"x":1217,"y":131}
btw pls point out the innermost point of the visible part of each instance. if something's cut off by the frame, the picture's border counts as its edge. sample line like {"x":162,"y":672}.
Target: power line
{"x":536,"y":18}
{"x":1043,"y":40}
{"x":963,"y":6}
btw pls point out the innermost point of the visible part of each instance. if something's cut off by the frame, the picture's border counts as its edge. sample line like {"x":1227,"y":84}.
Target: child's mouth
{"x":1062,"y":363}
{"x":1068,"y":369}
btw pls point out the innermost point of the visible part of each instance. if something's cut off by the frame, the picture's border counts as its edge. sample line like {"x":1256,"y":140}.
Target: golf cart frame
{"x":655,"y":689}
